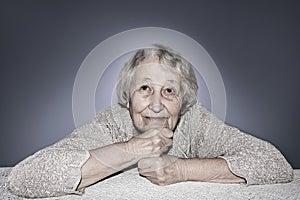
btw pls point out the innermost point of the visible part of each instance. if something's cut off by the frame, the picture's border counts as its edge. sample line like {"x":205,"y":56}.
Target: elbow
{"x":281,"y":172}
{"x":16,"y":182}
{"x":39,"y":179}
{"x":283,"y":175}
{"x":27,"y":184}
{"x":286,"y":174}
{"x":24,"y":182}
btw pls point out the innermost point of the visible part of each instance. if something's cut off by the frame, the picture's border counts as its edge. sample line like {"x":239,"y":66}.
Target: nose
{"x":156,"y":103}
{"x":156,"y":108}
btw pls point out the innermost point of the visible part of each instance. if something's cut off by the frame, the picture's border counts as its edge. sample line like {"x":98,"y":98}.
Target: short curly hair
{"x":167,"y":56}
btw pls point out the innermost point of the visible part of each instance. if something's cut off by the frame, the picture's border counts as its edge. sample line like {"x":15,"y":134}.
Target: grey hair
{"x":189,"y":86}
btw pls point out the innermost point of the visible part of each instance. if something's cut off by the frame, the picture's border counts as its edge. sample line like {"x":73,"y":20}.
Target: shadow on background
{"x":255,"y":45}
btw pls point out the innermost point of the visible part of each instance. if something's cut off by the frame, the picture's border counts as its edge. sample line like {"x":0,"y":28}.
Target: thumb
{"x":167,"y":133}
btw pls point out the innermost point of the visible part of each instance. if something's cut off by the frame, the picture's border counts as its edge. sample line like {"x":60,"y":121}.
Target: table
{"x":129,"y":185}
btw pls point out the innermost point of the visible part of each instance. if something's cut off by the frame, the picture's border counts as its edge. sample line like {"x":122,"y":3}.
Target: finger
{"x":146,"y":163}
{"x":166,"y":133}
{"x":151,"y":171}
{"x":164,"y":149}
{"x":153,"y":180}
{"x":149,"y":133}
{"x":148,"y":173}
{"x":169,"y":158}
{"x":157,"y":168}
{"x":168,"y":142}
{"x":156,"y":181}
{"x":163,"y":145}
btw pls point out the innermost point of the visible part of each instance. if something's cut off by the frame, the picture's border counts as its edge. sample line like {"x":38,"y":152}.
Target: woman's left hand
{"x":164,"y":170}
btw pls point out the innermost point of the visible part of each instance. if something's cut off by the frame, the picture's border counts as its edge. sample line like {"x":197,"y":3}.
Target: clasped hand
{"x":163,"y":170}
{"x":157,"y":167}
{"x":151,"y":143}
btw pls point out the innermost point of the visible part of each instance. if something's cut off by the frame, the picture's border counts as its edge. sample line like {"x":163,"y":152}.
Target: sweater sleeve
{"x":253,"y":159}
{"x":56,"y":170}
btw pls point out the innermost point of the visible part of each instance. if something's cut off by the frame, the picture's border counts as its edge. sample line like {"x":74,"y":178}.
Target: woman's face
{"x":155,"y":97}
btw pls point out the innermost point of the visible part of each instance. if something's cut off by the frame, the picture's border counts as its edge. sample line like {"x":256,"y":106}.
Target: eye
{"x":169,"y":92}
{"x":144,"y":88}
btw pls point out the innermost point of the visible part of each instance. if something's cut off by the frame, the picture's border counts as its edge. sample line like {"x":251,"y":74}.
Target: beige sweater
{"x":55,"y":170}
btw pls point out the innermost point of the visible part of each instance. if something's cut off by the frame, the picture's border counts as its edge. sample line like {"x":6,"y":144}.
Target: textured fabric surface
{"x":129,"y":185}
{"x":56,"y":170}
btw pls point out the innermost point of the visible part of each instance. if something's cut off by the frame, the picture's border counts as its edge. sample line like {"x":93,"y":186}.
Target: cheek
{"x":173,"y":108}
{"x":138,"y":104}
{"x":174,"y":111}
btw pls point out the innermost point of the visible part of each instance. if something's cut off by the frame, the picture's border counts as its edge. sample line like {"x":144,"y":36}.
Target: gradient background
{"x":255,"y":45}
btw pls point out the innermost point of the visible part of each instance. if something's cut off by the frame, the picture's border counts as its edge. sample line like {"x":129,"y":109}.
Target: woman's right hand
{"x":151,"y":143}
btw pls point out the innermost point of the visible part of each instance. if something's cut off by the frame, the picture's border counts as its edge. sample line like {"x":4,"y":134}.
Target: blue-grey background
{"x":255,"y":45}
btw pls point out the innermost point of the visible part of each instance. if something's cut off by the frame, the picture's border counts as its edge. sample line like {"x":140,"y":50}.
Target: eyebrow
{"x":149,"y":79}
{"x":146,"y":79}
{"x":172,"y":81}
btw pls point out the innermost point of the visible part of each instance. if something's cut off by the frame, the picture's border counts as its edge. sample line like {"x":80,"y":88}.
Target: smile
{"x":156,"y":121}
{"x":156,"y":118}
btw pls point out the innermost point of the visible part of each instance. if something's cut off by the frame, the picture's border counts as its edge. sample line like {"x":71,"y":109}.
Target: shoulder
{"x":193,"y":118}
{"x":196,"y":111}
{"x":199,"y":119}
{"x":115,"y":113}
{"x":117,"y":119}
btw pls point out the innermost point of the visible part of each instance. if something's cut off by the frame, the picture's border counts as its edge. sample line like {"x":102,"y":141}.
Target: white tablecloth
{"x":129,"y":185}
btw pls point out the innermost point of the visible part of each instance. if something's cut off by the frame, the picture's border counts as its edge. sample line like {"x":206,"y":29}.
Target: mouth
{"x":156,"y":121}
{"x":155,"y":118}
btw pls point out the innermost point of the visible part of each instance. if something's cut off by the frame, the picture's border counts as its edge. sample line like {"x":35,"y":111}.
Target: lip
{"x":155,"y":118}
{"x":156,"y":122}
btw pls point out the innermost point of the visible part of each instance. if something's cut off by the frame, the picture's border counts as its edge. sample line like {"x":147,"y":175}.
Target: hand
{"x":164,"y":170}
{"x":152,"y":143}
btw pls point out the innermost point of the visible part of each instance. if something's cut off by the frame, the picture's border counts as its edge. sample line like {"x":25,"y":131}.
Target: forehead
{"x":155,"y":72}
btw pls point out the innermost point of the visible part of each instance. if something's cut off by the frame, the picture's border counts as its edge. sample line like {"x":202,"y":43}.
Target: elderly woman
{"x":157,"y":125}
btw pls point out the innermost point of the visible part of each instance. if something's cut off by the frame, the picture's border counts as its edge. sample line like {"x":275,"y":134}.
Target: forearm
{"x":105,"y":161}
{"x":109,"y":159}
{"x":207,"y":170}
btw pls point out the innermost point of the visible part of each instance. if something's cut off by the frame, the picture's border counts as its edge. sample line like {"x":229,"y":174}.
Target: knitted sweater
{"x":56,"y":170}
